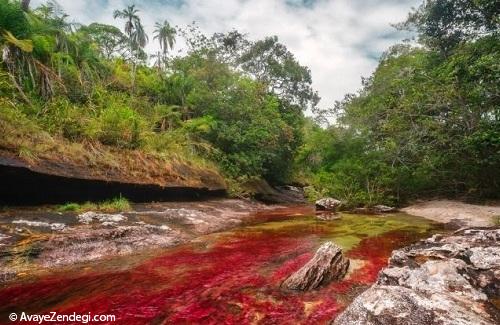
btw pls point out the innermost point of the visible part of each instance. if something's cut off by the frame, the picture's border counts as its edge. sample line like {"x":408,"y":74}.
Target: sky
{"x":339,"y":40}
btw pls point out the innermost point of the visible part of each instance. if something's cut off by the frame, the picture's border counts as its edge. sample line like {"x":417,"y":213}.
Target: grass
{"x":118,"y":204}
{"x":34,"y":141}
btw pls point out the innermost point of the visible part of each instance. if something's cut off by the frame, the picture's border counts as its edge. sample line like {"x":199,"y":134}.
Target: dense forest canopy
{"x":426,"y":123}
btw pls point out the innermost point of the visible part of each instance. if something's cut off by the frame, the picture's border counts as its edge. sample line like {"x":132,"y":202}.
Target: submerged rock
{"x":441,"y":280}
{"x":327,"y":204}
{"x":329,"y":216}
{"x":328,"y":264}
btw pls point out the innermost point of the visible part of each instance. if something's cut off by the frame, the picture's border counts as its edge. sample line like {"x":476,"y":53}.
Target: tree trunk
{"x":25,"y":5}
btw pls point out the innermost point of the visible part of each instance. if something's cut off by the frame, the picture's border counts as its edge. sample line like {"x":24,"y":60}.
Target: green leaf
{"x":24,"y":45}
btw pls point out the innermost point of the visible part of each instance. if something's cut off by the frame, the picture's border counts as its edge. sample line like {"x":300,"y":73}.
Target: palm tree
{"x":136,"y":34}
{"x":165,"y":34}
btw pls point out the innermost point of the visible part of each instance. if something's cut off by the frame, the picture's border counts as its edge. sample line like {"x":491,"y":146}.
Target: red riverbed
{"x":227,"y":278}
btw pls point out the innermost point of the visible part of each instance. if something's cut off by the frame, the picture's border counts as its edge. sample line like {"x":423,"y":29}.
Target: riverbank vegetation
{"x":117,"y":204}
{"x":227,"y":103}
{"x":426,"y":123}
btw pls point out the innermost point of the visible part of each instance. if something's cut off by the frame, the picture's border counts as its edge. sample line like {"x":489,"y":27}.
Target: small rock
{"x":104,"y":218}
{"x":384,"y":209}
{"x":328,"y":264}
{"x":485,"y":257}
{"x":327,"y":204}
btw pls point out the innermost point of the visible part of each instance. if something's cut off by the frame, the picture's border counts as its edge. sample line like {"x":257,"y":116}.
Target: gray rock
{"x":384,"y":209}
{"x":104,"y":218}
{"x":328,"y":264}
{"x":396,"y":305}
{"x":327,"y":204}
{"x":441,"y":280}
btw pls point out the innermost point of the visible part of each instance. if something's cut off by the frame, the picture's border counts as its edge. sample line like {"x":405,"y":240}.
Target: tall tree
{"x":25,"y":5}
{"x":165,"y":34}
{"x":443,"y":24}
{"x":109,"y":39}
{"x":136,"y":34}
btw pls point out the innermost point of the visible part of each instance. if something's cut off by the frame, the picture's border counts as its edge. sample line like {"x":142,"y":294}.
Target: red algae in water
{"x":233,"y":280}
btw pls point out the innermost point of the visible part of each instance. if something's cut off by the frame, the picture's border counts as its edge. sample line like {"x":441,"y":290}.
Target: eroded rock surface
{"x":328,"y":264}
{"x":441,"y":280}
{"x":35,"y":239}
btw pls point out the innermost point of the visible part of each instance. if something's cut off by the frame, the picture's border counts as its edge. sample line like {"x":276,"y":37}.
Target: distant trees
{"x":443,"y":24}
{"x":427,"y":122}
{"x":110,"y":40}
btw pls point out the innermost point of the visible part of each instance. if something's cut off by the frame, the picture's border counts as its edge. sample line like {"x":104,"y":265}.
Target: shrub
{"x":118,"y":125}
{"x":114,"y":205}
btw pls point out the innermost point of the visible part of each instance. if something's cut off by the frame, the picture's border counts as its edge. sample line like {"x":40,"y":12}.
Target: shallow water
{"x":231,"y":277}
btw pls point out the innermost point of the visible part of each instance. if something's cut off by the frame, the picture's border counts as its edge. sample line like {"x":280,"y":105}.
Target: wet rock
{"x":328,"y":264}
{"x":397,"y":305}
{"x":384,"y":209}
{"x":105,"y":218}
{"x":6,"y":275}
{"x":327,"y":204}
{"x":56,"y":226}
{"x":441,"y":280}
{"x":92,"y":244}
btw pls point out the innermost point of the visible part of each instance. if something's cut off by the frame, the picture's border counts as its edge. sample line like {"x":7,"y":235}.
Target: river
{"x":229,"y":277}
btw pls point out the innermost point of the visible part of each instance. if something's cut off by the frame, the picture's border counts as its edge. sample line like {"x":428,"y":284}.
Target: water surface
{"x":231,"y":277}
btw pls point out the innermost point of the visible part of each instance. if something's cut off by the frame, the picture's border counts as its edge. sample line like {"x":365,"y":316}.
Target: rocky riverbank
{"x":456,"y":214}
{"x":34,"y":240}
{"x":452,"y":279}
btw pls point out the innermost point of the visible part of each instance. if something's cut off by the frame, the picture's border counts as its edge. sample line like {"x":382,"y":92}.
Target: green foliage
{"x":69,"y":207}
{"x":240,"y":106}
{"x":13,"y":19}
{"x":117,"y":125}
{"x":118,"y":204}
{"x":429,"y":126}
{"x":444,"y":24}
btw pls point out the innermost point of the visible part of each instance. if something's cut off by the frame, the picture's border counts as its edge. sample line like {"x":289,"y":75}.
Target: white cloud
{"x":339,"y":40}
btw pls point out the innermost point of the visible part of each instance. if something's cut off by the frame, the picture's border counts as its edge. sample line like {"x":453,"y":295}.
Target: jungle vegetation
{"x":426,"y":123}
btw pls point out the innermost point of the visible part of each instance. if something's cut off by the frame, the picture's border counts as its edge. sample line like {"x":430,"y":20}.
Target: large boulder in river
{"x":327,"y":204}
{"x":441,"y":280}
{"x":328,"y":264}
